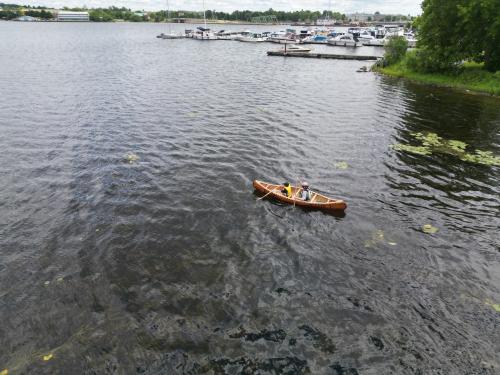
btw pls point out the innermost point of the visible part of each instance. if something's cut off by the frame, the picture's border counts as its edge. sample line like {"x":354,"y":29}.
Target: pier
{"x":322,"y":55}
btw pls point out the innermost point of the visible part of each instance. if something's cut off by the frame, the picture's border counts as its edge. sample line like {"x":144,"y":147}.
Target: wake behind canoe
{"x":318,"y":201}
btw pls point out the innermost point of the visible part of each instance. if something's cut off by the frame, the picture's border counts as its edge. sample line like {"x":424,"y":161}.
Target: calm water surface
{"x":171,"y":265}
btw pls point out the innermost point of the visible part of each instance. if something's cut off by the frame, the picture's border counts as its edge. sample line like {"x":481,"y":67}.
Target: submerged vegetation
{"x":432,"y":143}
{"x":459,"y":46}
{"x":429,"y":229}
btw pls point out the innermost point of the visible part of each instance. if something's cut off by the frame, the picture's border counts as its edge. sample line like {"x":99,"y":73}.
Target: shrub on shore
{"x":395,"y":50}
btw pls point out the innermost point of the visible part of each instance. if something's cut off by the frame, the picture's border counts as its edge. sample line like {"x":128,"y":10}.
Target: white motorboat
{"x":315,"y":39}
{"x":227,"y":35}
{"x":295,"y":49}
{"x":171,"y":36}
{"x":380,"y":42}
{"x":252,"y":38}
{"x":343,"y":41}
{"x":411,"y":39}
{"x":383,"y":41}
{"x":365,"y":37}
{"x":282,"y":37}
{"x":202,"y":33}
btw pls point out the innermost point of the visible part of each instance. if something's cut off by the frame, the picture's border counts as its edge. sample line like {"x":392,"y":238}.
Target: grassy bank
{"x":473,"y":77}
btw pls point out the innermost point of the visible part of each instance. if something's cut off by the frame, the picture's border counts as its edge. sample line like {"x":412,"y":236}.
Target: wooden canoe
{"x":318,"y":201}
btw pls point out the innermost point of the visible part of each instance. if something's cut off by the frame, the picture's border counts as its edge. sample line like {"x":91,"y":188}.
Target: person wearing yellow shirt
{"x":287,"y":190}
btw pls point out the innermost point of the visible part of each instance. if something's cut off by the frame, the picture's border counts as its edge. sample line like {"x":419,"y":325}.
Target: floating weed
{"x":341,"y":165}
{"x":392,"y":243}
{"x":418,"y":150}
{"x":48,"y":357}
{"x":429,"y":139}
{"x":377,"y":237}
{"x":482,"y":157}
{"x":495,"y":306}
{"x":431,"y":143}
{"x":131,"y":158}
{"x":59,"y":279}
{"x":4,"y":372}
{"x":429,"y":229}
{"x":46,"y":283}
{"x":457,"y":146}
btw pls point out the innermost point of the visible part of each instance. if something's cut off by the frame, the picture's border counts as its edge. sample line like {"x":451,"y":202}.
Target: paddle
{"x":294,"y":196}
{"x":268,"y":194}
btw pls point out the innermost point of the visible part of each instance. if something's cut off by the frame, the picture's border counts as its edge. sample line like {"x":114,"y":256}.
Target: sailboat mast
{"x":168,"y":18}
{"x":204,"y":14}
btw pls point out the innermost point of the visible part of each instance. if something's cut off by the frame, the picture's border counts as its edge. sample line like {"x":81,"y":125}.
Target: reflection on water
{"x":131,"y":240}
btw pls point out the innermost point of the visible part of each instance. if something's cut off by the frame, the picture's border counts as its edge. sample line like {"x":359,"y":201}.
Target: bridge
{"x":264,"y":19}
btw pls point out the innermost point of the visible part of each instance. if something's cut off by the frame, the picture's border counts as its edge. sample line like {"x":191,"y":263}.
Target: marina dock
{"x":322,"y":55}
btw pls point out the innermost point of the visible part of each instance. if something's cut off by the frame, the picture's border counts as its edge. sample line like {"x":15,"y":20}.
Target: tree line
{"x":11,"y":11}
{"x":111,"y":13}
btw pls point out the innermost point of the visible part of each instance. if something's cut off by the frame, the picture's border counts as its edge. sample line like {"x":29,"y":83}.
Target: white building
{"x":68,"y":16}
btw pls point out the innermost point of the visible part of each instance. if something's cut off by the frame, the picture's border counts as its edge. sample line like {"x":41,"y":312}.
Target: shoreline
{"x":201,"y":21}
{"x":473,"y":80}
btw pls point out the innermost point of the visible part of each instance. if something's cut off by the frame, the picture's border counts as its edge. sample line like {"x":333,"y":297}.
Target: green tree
{"x":452,"y":31}
{"x":481,"y":23}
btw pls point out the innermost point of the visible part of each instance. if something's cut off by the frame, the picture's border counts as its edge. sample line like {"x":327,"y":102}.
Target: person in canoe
{"x":306,"y":194}
{"x":287,"y":190}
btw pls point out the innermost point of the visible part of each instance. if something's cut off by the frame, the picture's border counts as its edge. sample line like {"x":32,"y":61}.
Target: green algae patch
{"x":418,"y":150}
{"x":341,"y":165}
{"x":481,"y":157}
{"x":4,"y":372}
{"x":429,"y":229}
{"x":495,"y":306}
{"x":457,"y":146}
{"x":429,"y":139}
{"x":432,"y":143}
{"x":378,"y":237}
{"x":131,"y":158}
{"x":48,"y":357}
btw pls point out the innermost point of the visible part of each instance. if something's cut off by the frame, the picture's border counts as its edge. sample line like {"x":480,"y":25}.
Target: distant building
{"x":68,"y":16}
{"x":26,"y":19}
{"x":360,"y":17}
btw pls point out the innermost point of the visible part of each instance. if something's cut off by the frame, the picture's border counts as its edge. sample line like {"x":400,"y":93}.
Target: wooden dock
{"x":313,"y":55}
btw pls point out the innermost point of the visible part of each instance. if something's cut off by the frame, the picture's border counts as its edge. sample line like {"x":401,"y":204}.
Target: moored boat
{"x":294,"y":49}
{"x":252,"y":38}
{"x":170,"y":34}
{"x":343,"y":41}
{"x":318,"y":201}
{"x":203,"y":33}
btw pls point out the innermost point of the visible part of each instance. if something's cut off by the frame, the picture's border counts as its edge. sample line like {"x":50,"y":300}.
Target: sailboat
{"x":170,"y":34}
{"x":204,"y":33}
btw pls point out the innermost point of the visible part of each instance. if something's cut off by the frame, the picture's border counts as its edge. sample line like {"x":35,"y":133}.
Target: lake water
{"x":169,"y":264}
